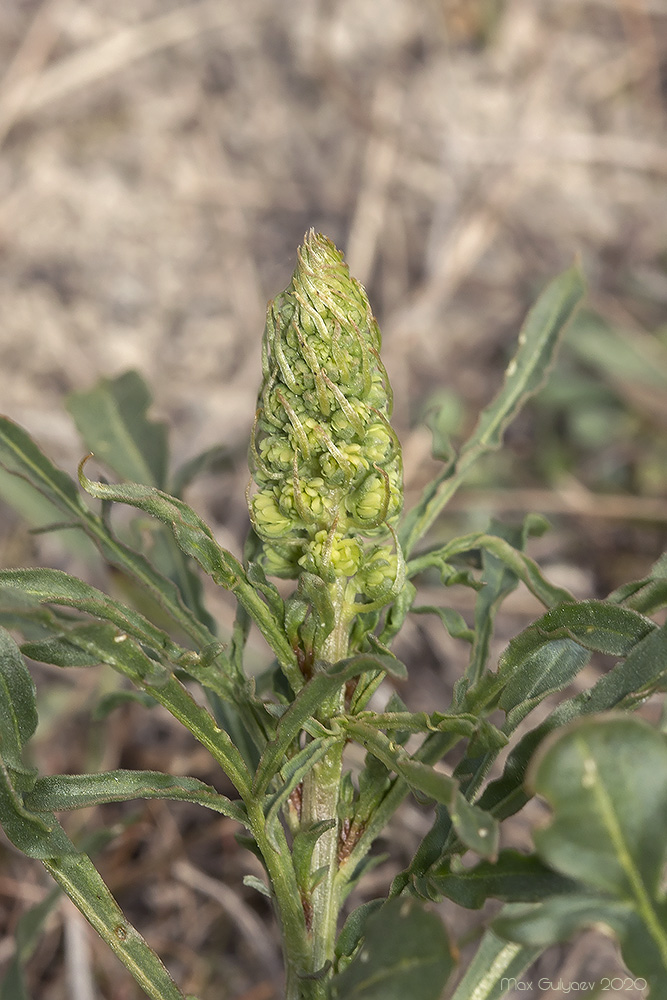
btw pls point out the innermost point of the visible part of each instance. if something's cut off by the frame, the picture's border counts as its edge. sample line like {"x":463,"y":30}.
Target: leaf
{"x":605,"y":779}
{"x":513,"y":877}
{"x":26,"y":936}
{"x":101,"y":641}
{"x":76,"y":791}
{"x":39,"y":835}
{"x":18,"y":707}
{"x":524,"y":568}
{"x":196,"y":539}
{"x":525,"y":374}
{"x":494,"y":965}
{"x":499,"y":581}
{"x":405,"y":953}
{"x":477,"y":829}
{"x":453,"y":621}
{"x":213,"y":460}
{"x":55,"y":587}
{"x":20,"y":456}
{"x":628,"y":683}
{"x":78,"y":877}
{"x":353,"y":928}
{"x":648,"y":595}
{"x":527,"y":371}
{"x":535,"y":662}
{"x":303,"y":846}
{"x":292,"y":774}
{"x":112,"y":421}
{"x":618,"y":354}
{"x":311,"y":697}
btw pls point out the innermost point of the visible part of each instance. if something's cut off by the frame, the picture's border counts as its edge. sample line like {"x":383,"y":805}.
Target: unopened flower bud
{"x":324,"y":458}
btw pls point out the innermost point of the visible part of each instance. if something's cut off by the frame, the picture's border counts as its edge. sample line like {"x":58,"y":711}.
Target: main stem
{"x":321,"y":790}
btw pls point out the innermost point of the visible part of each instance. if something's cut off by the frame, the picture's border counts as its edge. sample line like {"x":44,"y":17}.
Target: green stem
{"x":321,"y":790}
{"x":289,"y":906}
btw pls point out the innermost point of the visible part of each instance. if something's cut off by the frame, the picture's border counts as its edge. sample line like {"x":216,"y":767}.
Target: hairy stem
{"x":321,"y":790}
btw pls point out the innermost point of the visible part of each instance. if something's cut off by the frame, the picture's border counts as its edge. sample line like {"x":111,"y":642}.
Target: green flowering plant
{"x":324,"y":456}
{"x":326,"y":512}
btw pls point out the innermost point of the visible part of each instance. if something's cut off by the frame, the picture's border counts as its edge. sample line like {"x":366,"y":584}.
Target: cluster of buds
{"x":325,"y":461}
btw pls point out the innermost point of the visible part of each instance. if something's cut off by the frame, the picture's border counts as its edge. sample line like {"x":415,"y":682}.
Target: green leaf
{"x":528,"y":369}
{"x":421,"y":777}
{"x":353,"y":928}
{"x":127,"y":657}
{"x":494,"y":965}
{"x":20,"y":456}
{"x":311,"y":697}
{"x":453,"y":621}
{"x":541,"y":659}
{"x":292,"y":774}
{"x":111,"y":419}
{"x":499,"y":581}
{"x":617,"y":353}
{"x":76,"y":791}
{"x":213,"y":460}
{"x":513,"y":877}
{"x":303,"y":846}
{"x":476,"y":828}
{"x":628,"y":683}
{"x":79,"y":878}
{"x":196,"y":539}
{"x":18,"y":708}
{"x":26,"y":936}
{"x":405,"y":953}
{"x":524,"y":568}
{"x":648,"y":595}
{"x":55,"y":587}
{"x":525,"y":374}
{"x":605,"y":779}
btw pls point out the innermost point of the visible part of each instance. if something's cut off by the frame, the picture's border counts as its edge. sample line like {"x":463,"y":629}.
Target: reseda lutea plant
{"x":325,"y":504}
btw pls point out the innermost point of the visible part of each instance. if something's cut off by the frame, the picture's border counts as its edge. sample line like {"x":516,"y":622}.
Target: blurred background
{"x":160,"y":161}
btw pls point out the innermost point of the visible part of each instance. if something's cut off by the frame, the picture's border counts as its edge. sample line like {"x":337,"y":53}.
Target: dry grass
{"x":161,"y":161}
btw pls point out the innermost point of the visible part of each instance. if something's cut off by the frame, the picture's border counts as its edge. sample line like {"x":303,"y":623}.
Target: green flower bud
{"x":323,"y":455}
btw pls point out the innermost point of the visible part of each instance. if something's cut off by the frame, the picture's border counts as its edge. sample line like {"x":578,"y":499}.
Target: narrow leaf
{"x":628,"y":683}
{"x":112,"y":421}
{"x":196,"y":539}
{"x":496,"y":963}
{"x":525,"y":374}
{"x":79,"y":878}
{"x":314,"y":693}
{"x":513,"y":877}
{"x":20,"y":456}
{"x":18,"y":709}
{"x":76,"y":791}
